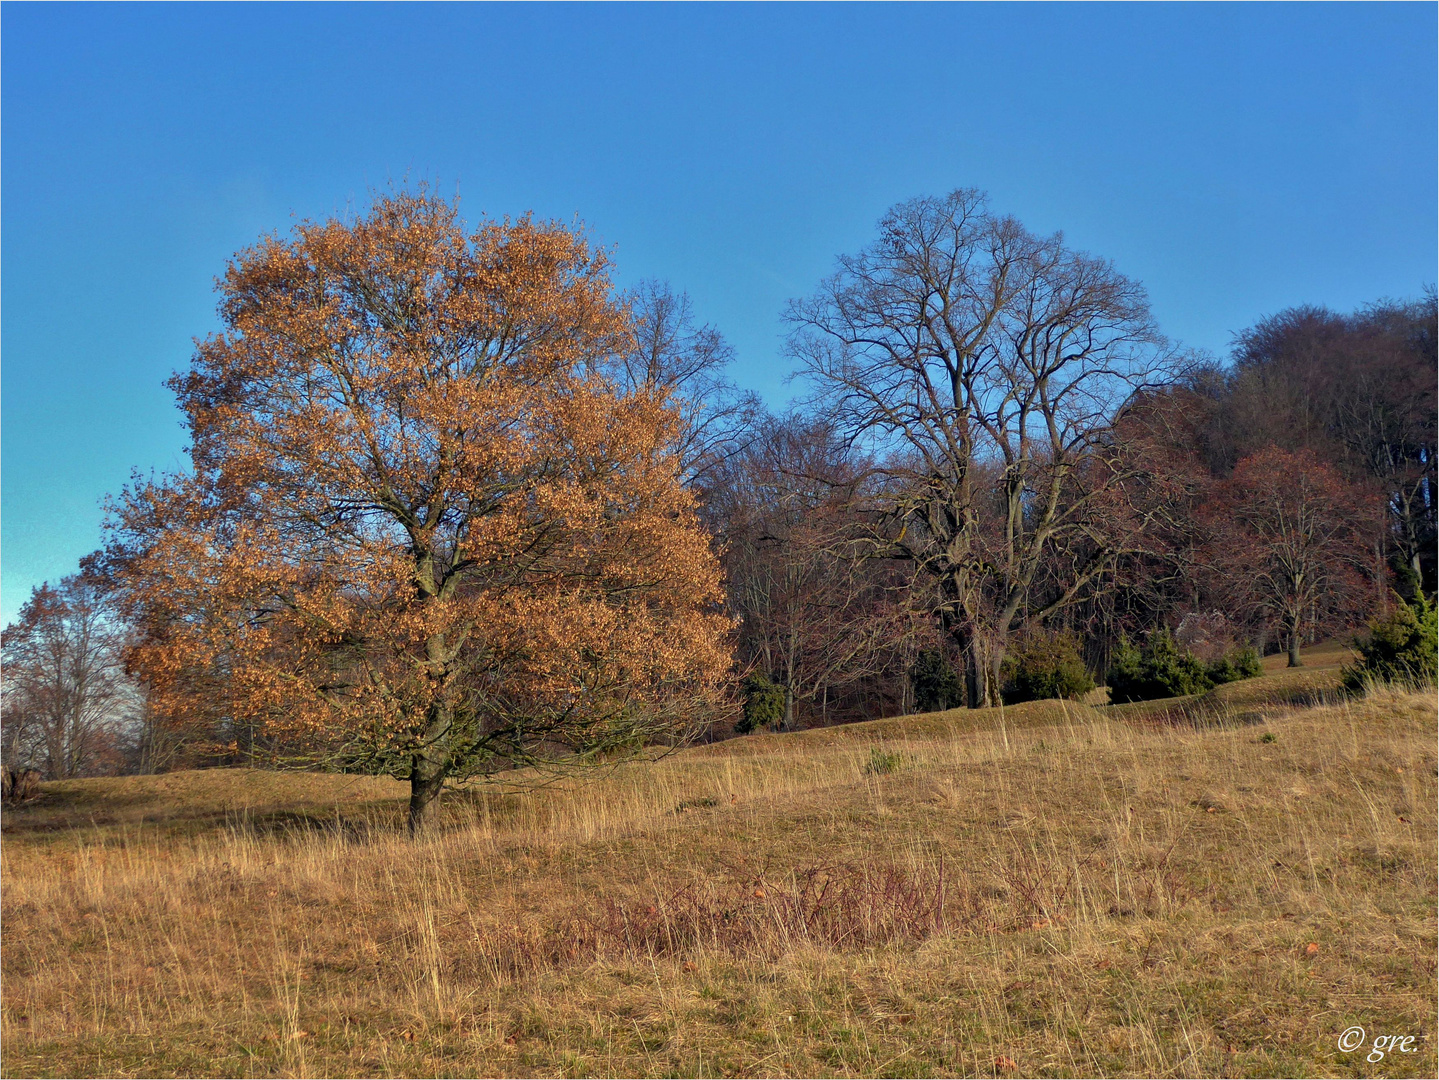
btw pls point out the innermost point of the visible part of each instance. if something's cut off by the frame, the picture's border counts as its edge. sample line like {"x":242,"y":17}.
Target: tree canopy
{"x":987,"y":365}
{"x":423,"y":532}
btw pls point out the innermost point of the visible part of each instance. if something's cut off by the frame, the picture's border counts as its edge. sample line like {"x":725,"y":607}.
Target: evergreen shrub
{"x":1044,"y":666}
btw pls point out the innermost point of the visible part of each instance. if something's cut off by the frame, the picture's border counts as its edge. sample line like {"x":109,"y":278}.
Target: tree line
{"x":457,"y":505}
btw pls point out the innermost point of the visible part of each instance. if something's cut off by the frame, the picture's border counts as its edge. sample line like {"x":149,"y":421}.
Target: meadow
{"x":1216,"y":886}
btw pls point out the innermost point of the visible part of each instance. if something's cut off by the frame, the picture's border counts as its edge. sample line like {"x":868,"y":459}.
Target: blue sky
{"x":1236,"y":159}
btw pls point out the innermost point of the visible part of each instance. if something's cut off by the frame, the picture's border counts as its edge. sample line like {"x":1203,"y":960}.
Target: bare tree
{"x":1356,"y":389}
{"x":1289,"y":545}
{"x":987,"y":366}
{"x":815,"y":620}
{"x":672,"y":354}
{"x":68,"y":703}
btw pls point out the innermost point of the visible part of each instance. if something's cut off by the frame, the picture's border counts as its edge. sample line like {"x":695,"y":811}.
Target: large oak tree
{"x":986,"y":366}
{"x":422,"y":535}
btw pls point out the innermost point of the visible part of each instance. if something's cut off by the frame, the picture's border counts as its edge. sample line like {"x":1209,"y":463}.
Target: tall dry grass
{"x":1056,"y":893}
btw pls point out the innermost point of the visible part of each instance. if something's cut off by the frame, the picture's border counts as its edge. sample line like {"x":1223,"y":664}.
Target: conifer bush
{"x":1243,"y":664}
{"x":1045,"y":666}
{"x":936,"y":684}
{"x":1162,"y":669}
{"x":1401,"y":648}
{"x":763,"y":705}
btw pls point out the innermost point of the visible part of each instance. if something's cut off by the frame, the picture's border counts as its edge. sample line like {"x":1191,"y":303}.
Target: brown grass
{"x":1077,"y":891}
{"x":1327,"y":654}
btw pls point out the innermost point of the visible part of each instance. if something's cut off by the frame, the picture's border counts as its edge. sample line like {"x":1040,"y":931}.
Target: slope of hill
{"x":1215,"y":889}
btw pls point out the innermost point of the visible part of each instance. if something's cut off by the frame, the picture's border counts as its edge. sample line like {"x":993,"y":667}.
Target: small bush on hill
{"x":1158,"y":670}
{"x":763,"y":705}
{"x":881,"y":762}
{"x":1162,"y":669}
{"x":1243,"y":664}
{"x":1045,"y":666}
{"x":936,"y":685}
{"x":1401,"y":648}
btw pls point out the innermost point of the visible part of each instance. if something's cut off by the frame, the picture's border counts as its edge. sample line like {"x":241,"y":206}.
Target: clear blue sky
{"x":1236,"y":159}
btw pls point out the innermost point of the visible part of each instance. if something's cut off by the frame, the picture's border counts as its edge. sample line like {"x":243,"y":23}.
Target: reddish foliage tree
{"x":422,"y":535}
{"x":1289,"y":544}
{"x":1356,"y":389}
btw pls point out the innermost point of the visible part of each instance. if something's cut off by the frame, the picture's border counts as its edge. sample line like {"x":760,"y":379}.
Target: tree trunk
{"x":426,"y":780}
{"x":976,"y":686}
{"x":1294,"y":645}
{"x":429,"y":766}
{"x":961,"y":631}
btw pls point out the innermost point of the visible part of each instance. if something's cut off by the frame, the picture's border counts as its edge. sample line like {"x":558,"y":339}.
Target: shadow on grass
{"x":1240,"y":704}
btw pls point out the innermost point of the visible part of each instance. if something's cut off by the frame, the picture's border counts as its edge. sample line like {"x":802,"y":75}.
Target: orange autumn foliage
{"x":420,"y":535}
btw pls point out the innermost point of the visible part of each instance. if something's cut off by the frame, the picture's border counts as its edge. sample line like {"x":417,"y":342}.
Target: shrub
{"x":1160,"y":670}
{"x":1401,"y":648}
{"x":1243,"y":664}
{"x":763,"y":705}
{"x":1126,"y":670}
{"x":1045,"y":666}
{"x":936,"y":685}
{"x":881,"y":762}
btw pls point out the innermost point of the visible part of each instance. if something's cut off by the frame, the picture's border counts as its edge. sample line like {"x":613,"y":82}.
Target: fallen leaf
{"x":689,"y":965}
{"x":1005,"y":1062}
{"x":1312,"y":949}
{"x":759,"y":894}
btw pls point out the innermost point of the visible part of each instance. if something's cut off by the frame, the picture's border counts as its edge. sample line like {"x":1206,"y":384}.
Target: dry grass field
{"x":1216,"y":887}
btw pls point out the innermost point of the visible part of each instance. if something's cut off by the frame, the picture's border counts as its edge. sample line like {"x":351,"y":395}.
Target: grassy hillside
{"x":1214,"y":887}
